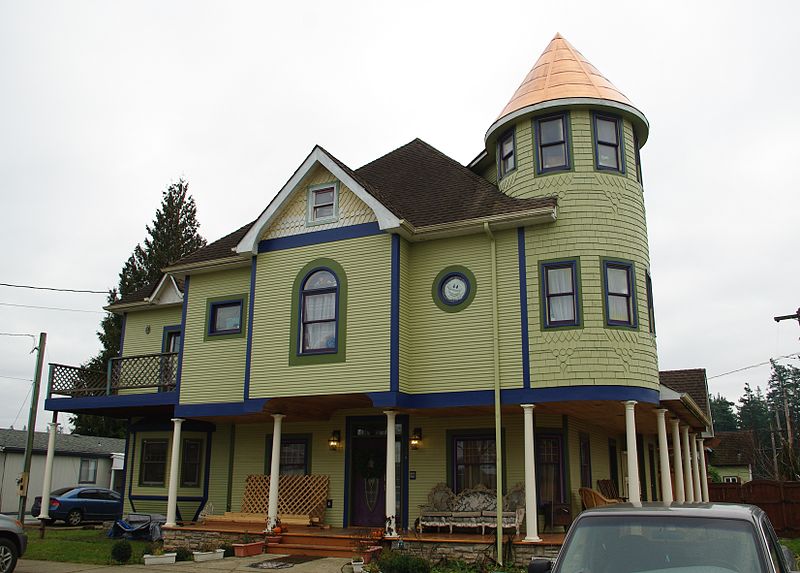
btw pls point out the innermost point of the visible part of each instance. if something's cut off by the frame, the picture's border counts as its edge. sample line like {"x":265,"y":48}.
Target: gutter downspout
{"x":498,"y":419}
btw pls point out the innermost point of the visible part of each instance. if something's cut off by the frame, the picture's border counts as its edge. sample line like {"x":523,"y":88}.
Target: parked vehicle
{"x":75,"y":505}
{"x":13,"y":542}
{"x":696,"y":538}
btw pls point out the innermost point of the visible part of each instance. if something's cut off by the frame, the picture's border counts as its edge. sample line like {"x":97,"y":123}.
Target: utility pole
{"x":26,"y":470}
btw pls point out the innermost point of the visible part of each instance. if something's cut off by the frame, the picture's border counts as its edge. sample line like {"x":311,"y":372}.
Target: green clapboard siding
{"x":366,"y":261}
{"x":599,"y":215}
{"x":598,"y":446}
{"x":213,"y":369}
{"x":218,"y":473}
{"x":135,"y":461}
{"x":452,"y":351}
{"x":137,"y":340}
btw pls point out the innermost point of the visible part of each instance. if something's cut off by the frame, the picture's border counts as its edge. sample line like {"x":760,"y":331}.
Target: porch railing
{"x":130,"y":373}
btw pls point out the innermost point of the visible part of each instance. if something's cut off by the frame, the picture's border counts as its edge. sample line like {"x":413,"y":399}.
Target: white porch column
{"x":701,"y":452}
{"x":531,"y":515}
{"x":698,"y":496}
{"x":391,"y":496}
{"x":677,"y":462}
{"x":47,"y":484}
{"x":687,"y":465}
{"x":172,"y":495}
{"x":663,"y":456}
{"x":274,"y":472}
{"x":634,"y":491}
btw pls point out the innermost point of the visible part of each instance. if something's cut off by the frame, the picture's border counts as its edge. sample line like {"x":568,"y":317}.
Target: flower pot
{"x":208,"y":555}
{"x":248,"y":549}
{"x":372,"y":553}
{"x":273,"y":538}
{"x":162,"y":559}
{"x":358,"y":566}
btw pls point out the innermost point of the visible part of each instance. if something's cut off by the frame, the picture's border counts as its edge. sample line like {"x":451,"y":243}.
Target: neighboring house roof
{"x":562,"y":72}
{"x":691,"y":381}
{"x":733,"y":448}
{"x":69,"y":444}
{"x":426,"y":187}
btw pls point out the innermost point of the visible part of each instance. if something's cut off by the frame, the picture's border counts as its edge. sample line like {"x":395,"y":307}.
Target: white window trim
{"x":310,"y":221}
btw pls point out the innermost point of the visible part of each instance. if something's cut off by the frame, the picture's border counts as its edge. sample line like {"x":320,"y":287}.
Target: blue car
{"x":75,"y":505}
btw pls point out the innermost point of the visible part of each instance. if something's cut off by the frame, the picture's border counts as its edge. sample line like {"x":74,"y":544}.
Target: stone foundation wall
{"x":174,"y":538}
{"x":472,"y":552}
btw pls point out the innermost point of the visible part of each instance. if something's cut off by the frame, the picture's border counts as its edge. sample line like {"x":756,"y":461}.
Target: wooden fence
{"x":779,"y":499}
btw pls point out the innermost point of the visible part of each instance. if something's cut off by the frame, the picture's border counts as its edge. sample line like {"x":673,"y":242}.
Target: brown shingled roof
{"x":733,"y":449}
{"x":219,"y":249}
{"x":426,"y":187}
{"x":691,"y":381}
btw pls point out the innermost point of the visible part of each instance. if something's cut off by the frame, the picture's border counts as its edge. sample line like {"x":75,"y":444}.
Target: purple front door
{"x":368,"y":481}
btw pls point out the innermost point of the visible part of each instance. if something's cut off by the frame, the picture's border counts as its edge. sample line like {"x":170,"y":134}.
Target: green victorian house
{"x":416,"y":322}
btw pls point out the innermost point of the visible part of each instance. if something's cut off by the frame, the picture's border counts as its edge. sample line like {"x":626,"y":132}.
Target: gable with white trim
{"x":293,"y":219}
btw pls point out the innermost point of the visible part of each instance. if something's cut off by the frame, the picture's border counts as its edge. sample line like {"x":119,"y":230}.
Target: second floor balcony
{"x":142,"y":374}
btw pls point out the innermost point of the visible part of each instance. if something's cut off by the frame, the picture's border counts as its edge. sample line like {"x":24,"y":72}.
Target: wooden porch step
{"x":309,"y":549}
{"x":315,"y":539}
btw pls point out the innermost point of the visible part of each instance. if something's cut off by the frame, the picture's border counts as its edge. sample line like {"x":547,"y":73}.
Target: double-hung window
{"x":295,"y":454}
{"x":225,"y":317}
{"x":191,"y":454}
{"x":88,"y":471}
{"x":608,"y":143}
{"x":619,"y":287}
{"x":637,"y":157}
{"x":552,"y":153}
{"x":319,"y":301}
{"x":153,"y":467}
{"x":651,"y":312}
{"x":474,"y":462}
{"x":506,"y":155}
{"x":560,"y":293}
{"x":322,"y":203}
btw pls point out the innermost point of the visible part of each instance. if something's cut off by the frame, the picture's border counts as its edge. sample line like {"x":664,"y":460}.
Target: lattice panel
{"x":297,"y":495}
{"x":73,"y":381}
{"x":146,"y":371}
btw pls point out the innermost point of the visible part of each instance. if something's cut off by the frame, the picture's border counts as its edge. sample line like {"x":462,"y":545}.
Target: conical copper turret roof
{"x":562,"y":72}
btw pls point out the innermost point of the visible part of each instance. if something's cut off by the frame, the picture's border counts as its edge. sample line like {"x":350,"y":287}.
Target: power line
{"x":50,"y":308}
{"x":16,"y":378}
{"x":16,"y":334}
{"x":24,"y":401}
{"x":54,"y":289}
{"x":751,"y":366}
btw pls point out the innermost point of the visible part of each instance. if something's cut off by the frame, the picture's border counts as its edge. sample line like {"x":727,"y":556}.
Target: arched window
{"x":319,"y":312}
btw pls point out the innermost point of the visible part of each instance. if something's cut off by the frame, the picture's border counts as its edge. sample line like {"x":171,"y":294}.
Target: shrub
{"x":228,"y":549}
{"x":397,"y":562}
{"x":183,"y":554}
{"x":121,"y":551}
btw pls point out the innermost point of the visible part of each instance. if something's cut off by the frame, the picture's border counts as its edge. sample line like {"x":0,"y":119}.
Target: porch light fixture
{"x":416,"y":438}
{"x":335,"y":440}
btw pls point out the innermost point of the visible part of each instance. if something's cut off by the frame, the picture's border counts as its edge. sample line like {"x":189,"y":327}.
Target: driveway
{"x":240,"y":564}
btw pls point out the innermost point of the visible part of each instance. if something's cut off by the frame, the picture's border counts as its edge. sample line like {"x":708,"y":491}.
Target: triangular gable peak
{"x":318,"y":157}
{"x":167,"y":292}
{"x":295,"y":217}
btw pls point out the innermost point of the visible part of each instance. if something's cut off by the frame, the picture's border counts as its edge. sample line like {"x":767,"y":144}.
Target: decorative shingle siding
{"x":452,"y":351}
{"x":213,"y":370}
{"x":599,"y":215}
{"x":137,"y":340}
{"x":292,"y":219}
{"x":366,"y":262}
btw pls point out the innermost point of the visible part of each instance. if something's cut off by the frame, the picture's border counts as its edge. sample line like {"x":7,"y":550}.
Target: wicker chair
{"x":609,"y":489}
{"x":592,"y":498}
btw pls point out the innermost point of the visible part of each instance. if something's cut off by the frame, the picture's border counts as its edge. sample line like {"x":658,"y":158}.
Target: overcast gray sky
{"x":103,"y":104}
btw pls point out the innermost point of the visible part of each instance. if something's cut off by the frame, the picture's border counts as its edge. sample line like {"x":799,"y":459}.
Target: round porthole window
{"x":454,"y":288}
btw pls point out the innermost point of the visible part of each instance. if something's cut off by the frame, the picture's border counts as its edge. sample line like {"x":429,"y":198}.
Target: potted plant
{"x":208,"y":553}
{"x":358,"y":564}
{"x":275,"y":534}
{"x":158,"y":556}
{"x":248,"y":547}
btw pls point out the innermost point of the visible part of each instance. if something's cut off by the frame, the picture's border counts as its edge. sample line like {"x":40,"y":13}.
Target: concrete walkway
{"x":239,"y":564}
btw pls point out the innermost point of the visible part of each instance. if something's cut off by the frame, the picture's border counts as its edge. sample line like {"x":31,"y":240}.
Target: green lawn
{"x":793,"y":544}
{"x":76,"y":545}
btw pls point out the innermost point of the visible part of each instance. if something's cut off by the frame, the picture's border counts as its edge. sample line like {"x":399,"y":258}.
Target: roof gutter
{"x":230,"y":262}
{"x":530,"y":217}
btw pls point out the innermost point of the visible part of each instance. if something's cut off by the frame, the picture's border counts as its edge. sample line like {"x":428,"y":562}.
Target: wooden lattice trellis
{"x":297,"y":495}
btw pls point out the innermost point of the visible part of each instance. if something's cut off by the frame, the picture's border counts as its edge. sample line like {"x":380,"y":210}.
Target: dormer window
{"x":506,"y":157}
{"x":608,"y":143}
{"x":323,"y":203}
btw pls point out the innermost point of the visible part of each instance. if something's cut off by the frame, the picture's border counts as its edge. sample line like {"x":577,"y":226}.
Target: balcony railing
{"x":129,"y":373}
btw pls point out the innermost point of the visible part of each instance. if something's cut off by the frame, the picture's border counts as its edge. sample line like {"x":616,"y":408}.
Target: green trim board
{"x":210,"y":302}
{"x":436,"y":288}
{"x":576,"y":261}
{"x":296,"y":357}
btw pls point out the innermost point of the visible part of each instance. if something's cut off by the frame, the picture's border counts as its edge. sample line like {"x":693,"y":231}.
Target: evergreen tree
{"x":722,"y":413}
{"x":783,"y":391}
{"x":174,"y":233}
{"x":754,"y":416}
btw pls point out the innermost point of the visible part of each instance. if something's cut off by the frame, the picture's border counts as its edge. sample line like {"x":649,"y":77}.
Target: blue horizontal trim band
{"x":123,"y":401}
{"x":515,"y":396}
{"x":317,"y":237}
{"x":221,"y":409}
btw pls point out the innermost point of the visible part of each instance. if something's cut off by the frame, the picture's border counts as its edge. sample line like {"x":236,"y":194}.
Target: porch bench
{"x":473,"y":508}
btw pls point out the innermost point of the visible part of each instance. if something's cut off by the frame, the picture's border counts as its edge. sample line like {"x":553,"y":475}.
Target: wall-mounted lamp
{"x":416,"y":438}
{"x":335,"y":440}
